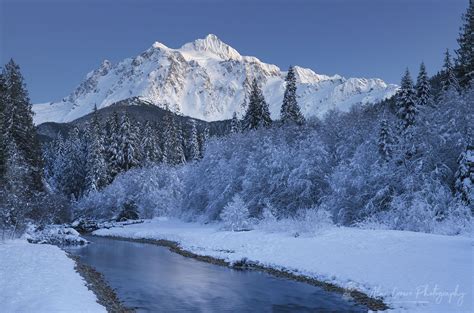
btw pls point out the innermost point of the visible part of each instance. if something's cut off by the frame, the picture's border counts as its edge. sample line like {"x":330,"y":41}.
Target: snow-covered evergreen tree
{"x":112,"y":138}
{"x":465,"y":53}
{"x":150,"y":146}
{"x":449,"y":81}
{"x":203,"y":137}
{"x":19,"y":127}
{"x":406,"y":102}
{"x":128,"y":155}
{"x":290,"y":110}
{"x":235,"y":124}
{"x":465,"y":176}
{"x":423,"y":89}
{"x":3,"y":135}
{"x":173,"y":149}
{"x":258,"y":114}
{"x":235,"y":214}
{"x":193,"y":142}
{"x":385,"y":140}
{"x":96,"y":167}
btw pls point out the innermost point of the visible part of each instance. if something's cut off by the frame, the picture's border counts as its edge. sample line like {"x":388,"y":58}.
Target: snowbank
{"x":414,"y":272}
{"x":41,"y":278}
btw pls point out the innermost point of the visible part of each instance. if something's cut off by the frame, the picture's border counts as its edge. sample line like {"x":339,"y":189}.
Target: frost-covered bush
{"x":154,"y":191}
{"x":235,"y":215}
{"x":55,"y":235}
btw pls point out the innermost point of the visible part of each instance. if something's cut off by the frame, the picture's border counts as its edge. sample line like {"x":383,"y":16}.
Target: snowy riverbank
{"x":414,"y":272}
{"x":41,"y":278}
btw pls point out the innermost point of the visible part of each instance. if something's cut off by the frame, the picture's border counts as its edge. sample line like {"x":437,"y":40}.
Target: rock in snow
{"x":209,"y":80}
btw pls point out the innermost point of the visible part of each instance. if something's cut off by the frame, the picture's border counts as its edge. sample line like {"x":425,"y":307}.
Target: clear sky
{"x":57,"y":42}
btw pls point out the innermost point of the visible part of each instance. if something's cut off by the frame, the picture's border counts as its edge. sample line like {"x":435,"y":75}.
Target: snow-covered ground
{"x":414,"y":272}
{"x":41,"y":278}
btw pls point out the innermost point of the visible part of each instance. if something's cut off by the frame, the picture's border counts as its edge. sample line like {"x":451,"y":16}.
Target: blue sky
{"x":57,"y":42}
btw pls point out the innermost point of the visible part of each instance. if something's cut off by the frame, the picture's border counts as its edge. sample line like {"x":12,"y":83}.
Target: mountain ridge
{"x":209,"y":80}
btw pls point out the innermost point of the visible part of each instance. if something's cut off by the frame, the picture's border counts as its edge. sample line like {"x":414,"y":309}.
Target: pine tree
{"x":18,"y":123}
{"x":203,"y":137}
{"x":423,"y":89}
{"x":150,"y":148}
{"x":385,"y":140}
{"x":128,"y":149}
{"x":290,"y":110}
{"x":96,"y":167}
{"x":173,"y":151}
{"x":112,"y":129}
{"x":465,"y":53}
{"x":193,"y":143}
{"x":465,"y":176}
{"x":449,"y":80}
{"x":3,"y":136}
{"x":235,"y":124}
{"x":258,"y":114}
{"x":406,"y":102}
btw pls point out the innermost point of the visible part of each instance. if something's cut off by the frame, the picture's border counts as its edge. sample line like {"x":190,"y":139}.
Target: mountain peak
{"x":213,"y":45}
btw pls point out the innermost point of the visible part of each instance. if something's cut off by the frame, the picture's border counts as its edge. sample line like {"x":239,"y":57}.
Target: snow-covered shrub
{"x":235,"y":215}
{"x":55,"y":235}
{"x":155,"y":191}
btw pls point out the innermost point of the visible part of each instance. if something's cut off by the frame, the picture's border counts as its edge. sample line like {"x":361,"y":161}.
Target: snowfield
{"x":41,"y":278}
{"x":413,"y":272}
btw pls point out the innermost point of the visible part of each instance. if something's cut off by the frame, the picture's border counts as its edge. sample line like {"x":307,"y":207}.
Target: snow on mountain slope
{"x":209,"y":80}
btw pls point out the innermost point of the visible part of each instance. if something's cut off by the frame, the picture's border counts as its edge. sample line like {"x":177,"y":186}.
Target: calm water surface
{"x":150,"y":278}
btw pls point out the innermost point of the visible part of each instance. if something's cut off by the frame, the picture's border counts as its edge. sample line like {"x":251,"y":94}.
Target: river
{"x":151,"y":278}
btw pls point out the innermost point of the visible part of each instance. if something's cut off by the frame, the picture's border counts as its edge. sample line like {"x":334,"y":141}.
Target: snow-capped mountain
{"x":209,"y":80}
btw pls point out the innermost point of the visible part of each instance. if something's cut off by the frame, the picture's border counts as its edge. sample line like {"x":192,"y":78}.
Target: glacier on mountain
{"x":209,"y":80}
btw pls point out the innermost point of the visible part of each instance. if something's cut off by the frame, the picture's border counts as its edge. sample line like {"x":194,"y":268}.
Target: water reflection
{"x":153,"y":279}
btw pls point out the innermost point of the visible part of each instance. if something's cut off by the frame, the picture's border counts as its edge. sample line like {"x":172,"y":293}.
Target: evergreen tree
{"x":128,"y":149}
{"x":112,"y":131}
{"x":385,"y":140}
{"x":449,"y":80}
{"x":235,"y":124}
{"x":406,"y":102}
{"x":193,"y":142}
{"x":150,"y":148}
{"x":465,"y":53}
{"x":173,"y":151}
{"x":465,"y":176}
{"x":423,"y":90}
{"x":96,"y":167}
{"x":290,"y":110}
{"x":203,"y":137}
{"x":71,"y":167}
{"x":18,"y":124}
{"x":3,"y":136}
{"x":257,"y":114}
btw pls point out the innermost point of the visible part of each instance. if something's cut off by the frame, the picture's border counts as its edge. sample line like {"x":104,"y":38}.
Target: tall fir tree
{"x":203,"y":137}
{"x":258,"y":113}
{"x":112,"y":130}
{"x":406,"y":102}
{"x":385,"y":141}
{"x":235,"y":124}
{"x":18,"y":123}
{"x":290,"y":111}
{"x":193,"y":142}
{"x":128,"y":148}
{"x":448,"y":78}
{"x":3,"y":136}
{"x":96,"y":167}
{"x":423,"y":89}
{"x":150,"y":146}
{"x":173,"y":150}
{"x":465,"y":176}
{"x":465,"y":53}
